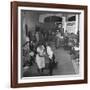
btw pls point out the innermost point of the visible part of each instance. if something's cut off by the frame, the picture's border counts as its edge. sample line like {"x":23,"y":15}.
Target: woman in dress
{"x":40,"y":58}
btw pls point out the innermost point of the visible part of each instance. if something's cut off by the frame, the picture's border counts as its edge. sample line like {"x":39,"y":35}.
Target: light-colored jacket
{"x":49,"y":52}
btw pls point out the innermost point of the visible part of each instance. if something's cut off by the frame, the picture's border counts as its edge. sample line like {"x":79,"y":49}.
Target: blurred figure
{"x":37,"y":36}
{"x":58,"y":37}
{"x":51,"y":58}
{"x":25,"y":51}
{"x":32,"y":46}
{"x":66,"y":40}
{"x":40,"y":58}
{"x":32,"y":57}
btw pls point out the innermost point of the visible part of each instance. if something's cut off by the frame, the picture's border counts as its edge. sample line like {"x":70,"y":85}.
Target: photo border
{"x":14,"y":43}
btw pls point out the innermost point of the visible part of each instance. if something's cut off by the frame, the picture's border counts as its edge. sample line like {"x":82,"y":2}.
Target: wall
{"x":5,"y":47}
{"x":31,"y":19}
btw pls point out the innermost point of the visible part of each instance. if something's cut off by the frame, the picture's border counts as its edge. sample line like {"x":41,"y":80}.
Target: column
{"x":64,"y":23}
{"x":77,"y":23}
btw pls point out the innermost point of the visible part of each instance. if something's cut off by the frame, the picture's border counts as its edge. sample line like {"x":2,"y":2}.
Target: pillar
{"x":77,"y":23}
{"x":64,"y":23}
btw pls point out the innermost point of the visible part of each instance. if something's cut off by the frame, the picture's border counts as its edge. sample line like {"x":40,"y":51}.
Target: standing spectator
{"x":58,"y":37}
{"x":37,"y":36}
{"x":66,"y":40}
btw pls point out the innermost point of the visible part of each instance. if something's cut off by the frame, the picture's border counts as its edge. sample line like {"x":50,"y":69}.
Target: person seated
{"x":75,"y":52}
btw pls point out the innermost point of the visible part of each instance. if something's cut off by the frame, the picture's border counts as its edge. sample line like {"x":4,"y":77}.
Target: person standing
{"x":58,"y":37}
{"x":40,"y":58}
{"x":66,"y":40}
{"x":37,"y":36}
{"x":51,"y":59}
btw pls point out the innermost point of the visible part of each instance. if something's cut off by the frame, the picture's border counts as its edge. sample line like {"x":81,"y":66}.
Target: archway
{"x":51,"y":19}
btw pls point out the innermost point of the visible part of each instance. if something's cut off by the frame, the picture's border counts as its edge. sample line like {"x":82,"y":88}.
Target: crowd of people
{"x":38,"y":47}
{"x":38,"y":55}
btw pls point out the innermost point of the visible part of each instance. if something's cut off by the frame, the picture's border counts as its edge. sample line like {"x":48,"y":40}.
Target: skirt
{"x":40,"y":61}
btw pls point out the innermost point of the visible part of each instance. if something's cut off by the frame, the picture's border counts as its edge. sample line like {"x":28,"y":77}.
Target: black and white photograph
{"x":50,"y":43}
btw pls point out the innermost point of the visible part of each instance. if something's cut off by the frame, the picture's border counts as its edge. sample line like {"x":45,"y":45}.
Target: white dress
{"x":40,"y":59}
